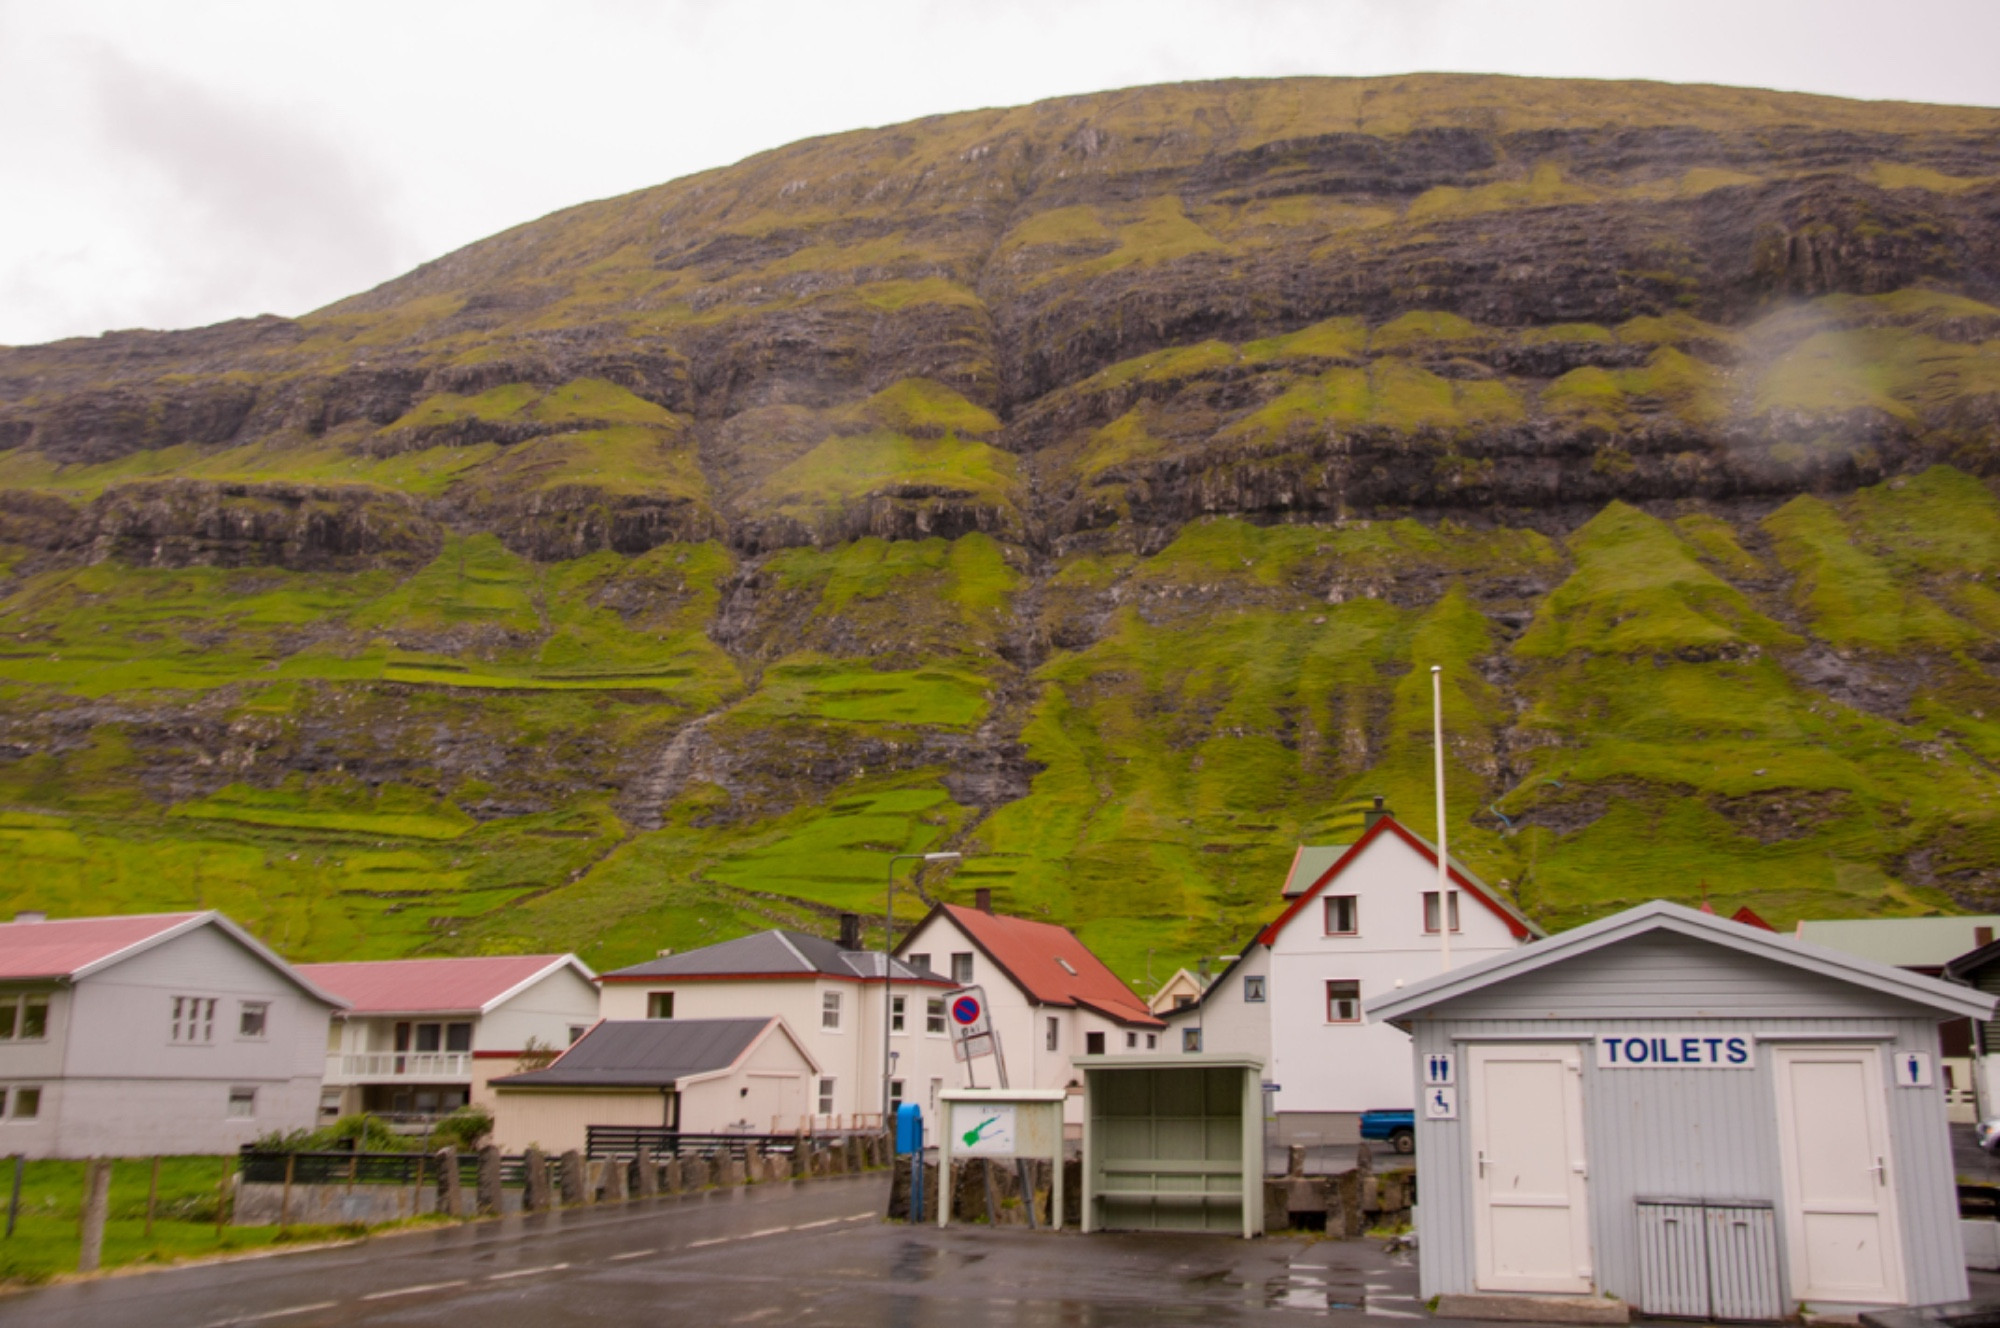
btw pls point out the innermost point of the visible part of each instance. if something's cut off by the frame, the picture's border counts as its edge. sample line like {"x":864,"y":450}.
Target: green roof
{"x":1311,"y":864}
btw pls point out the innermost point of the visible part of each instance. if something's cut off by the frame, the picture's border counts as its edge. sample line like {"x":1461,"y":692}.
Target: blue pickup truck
{"x":1396,"y":1128}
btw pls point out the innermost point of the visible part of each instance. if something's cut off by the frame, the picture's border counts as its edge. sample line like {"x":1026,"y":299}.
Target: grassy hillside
{"x":1087,"y":487}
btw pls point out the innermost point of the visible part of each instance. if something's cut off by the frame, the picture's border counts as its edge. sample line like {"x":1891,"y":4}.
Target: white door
{"x":1531,"y":1221}
{"x":1841,"y":1234}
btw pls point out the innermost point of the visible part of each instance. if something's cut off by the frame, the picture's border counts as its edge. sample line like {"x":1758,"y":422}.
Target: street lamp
{"x":888,"y":961}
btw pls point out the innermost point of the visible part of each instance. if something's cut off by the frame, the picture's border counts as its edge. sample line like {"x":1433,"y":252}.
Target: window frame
{"x":196,"y":1016}
{"x":1331,"y":905}
{"x":245,"y":1093}
{"x":15,"y":1007}
{"x":1093,"y":1043}
{"x":898,"y":1014}
{"x":823,"y":1099}
{"x":1430,"y":912}
{"x":1355,"y":997}
{"x":961,"y":962}
{"x":659,"y":1004}
{"x":934,"y":1018}
{"x":918,"y":961}
{"x":830,"y":1009}
{"x":13,"y":1103}
{"x":1191,"y":1041}
{"x":244,"y":1011}
{"x":1052,"y":1034}
{"x":1256,"y":989}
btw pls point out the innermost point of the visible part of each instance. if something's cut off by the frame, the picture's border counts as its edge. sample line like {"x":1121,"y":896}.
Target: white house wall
{"x":558,"y":1120}
{"x":545,"y":1012}
{"x":1328,"y":1068}
{"x":770,"y":1091}
{"x":1227,"y":1021}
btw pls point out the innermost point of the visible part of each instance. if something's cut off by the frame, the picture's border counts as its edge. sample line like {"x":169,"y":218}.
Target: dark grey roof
{"x":772,"y":952}
{"x":646,"y":1053}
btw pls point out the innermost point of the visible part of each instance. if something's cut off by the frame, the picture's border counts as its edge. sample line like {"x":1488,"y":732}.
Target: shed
{"x":705,"y":1076}
{"x":1665,"y":1107}
{"x":1173,"y":1143}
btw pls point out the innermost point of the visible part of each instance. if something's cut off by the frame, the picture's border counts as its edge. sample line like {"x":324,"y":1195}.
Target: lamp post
{"x":888,"y":961}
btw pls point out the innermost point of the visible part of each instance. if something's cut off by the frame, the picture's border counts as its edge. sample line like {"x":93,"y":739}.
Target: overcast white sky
{"x":173,"y":164}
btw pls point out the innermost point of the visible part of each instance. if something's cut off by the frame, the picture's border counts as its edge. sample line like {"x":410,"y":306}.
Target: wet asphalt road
{"x":790,"y":1255}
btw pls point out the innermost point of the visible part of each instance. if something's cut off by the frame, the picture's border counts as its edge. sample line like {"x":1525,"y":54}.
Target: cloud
{"x":241,"y":196}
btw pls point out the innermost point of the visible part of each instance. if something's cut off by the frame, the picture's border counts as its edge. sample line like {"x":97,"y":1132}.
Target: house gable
{"x":1388,"y":829}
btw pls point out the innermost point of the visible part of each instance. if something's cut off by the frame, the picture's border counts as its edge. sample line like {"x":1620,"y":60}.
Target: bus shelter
{"x":1173,"y":1143}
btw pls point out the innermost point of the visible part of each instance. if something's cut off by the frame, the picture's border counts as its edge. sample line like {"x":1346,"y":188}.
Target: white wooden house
{"x":1048,"y":996}
{"x":161,"y":1033}
{"x":1358,"y":921}
{"x":830,"y":995}
{"x":422,"y":1037}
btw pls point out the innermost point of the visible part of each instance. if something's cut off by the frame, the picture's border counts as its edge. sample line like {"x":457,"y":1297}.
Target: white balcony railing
{"x":356,"y":1067}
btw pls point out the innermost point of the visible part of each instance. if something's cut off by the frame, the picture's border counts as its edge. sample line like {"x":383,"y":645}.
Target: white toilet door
{"x":1841,"y":1233}
{"x":1529,"y":1178}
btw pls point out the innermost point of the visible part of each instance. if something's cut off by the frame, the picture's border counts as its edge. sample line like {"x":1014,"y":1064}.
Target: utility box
{"x":1000,"y":1123}
{"x":1173,"y":1143}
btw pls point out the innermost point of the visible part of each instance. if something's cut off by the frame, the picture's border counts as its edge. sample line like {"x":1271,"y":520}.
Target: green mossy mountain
{"x":1087,"y":487}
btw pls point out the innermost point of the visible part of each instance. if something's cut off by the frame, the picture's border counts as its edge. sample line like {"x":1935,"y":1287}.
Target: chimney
{"x":31,"y":915}
{"x":1374,"y":814}
{"x":982,"y":899}
{"x":850,"y":931}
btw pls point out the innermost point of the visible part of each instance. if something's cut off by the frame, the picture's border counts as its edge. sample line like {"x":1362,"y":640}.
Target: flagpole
{"x":1444,"y":851}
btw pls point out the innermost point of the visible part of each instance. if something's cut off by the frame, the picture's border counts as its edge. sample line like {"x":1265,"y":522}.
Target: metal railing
{"x":442,"y":1066}
{"x":626,"y":1141}
{"x":346,"y":1168}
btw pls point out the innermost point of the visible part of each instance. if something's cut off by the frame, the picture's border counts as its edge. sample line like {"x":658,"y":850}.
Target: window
{"x":895,"y":1014}
{"x":27,"y":1104}
{"x":1131,"y":1042}
{"x":1182,"y":1002}
{"x":1253,"y":988}
{"x":829,"y":1010}
{"x":1152,"y":1041}
{"x":919,"y":962}
{"x":1093,"y":1044}
{"x":895,"y":1095}
{"x":194,"y":1020}
{"x":1343,"y":1001}
{"x":576,"y":1031}
{"x":934,"y":1015}
{"x":961,"y":969}
{"x":430,"y":1037}
{"x":329,"y":1104}
{"x":1431,"y":910}
{"x":1190,"y":1039}
{"x":242,"y":1103}
{"x":1053,"y":1039}
{"x":24,"y":1016}
{"x":1343,"y":915}
{"x":659,"y":1005}
{"x":826,"y":1097}
{"x":458,"y":1037}
{"x":251,"y":1019}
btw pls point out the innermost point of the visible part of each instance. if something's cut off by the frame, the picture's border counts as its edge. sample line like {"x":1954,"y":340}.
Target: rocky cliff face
{"x":1082,"y":483}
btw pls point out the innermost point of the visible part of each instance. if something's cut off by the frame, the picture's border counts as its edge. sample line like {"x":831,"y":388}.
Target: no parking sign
{"x":971,"y":1028}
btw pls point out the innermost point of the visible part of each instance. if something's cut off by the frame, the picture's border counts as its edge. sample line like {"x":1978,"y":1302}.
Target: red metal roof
{"x":1032,"y":953}
{"x":1748,"y":917}
{"x":428,"y":986}
{"x":61,"y":948}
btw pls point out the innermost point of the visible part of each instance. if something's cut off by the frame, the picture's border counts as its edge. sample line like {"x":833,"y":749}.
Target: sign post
{"x":1002,"y":1123}
{"x":972,"y":1031}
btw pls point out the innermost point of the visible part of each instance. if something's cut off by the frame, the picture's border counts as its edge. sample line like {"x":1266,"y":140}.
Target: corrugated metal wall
{"x":1709,"y":1134}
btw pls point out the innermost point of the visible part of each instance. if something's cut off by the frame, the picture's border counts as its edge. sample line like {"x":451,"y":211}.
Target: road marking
{"x":718,"y":1240}
{"x":630,"y":1254}
{"x":276,"y":1314}
{"x":767,"y":1231}
{"x":778,"y":1231}
{"x":418,"y":1290}
{"x":528,"y":1272}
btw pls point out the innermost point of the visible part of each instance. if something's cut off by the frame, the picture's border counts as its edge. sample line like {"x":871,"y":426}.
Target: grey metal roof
{"x":646,"y":1053}
{"x":772,"y":952}
{"x":1659,"y":915}
{"x":1904,"y":942}
{"x":1309,"y":864}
